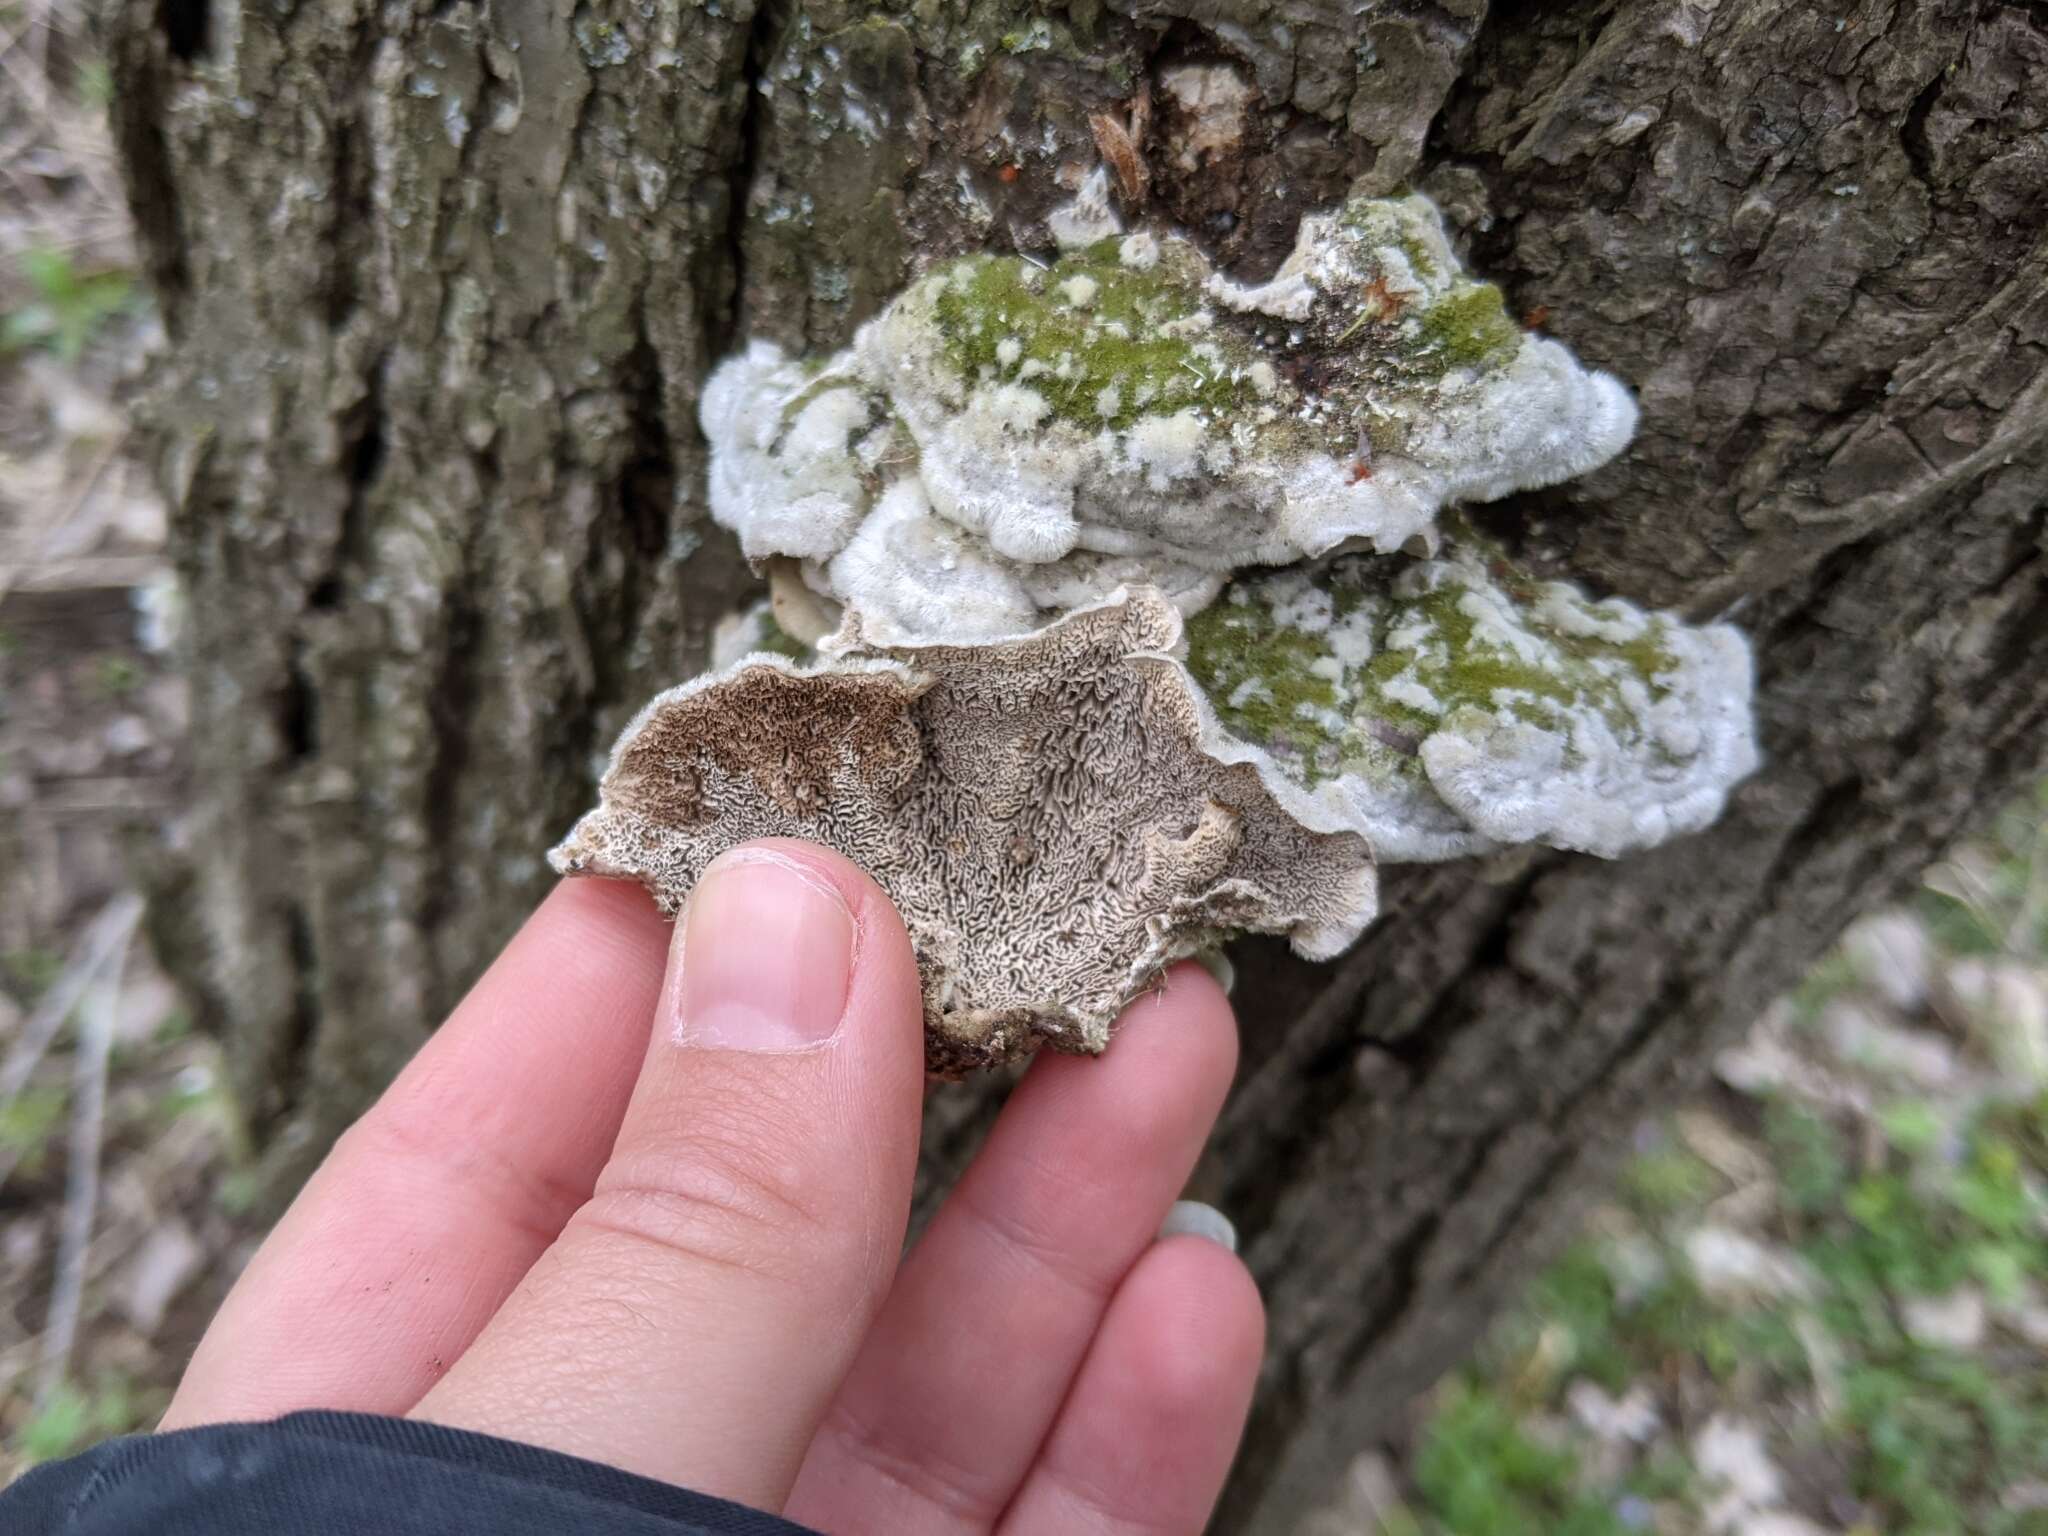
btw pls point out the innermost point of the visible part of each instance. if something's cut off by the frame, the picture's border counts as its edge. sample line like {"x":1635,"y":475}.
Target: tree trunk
{"x":441,"y":282}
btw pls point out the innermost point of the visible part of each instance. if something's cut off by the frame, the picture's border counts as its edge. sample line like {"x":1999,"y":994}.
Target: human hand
{"x":676,"y":1250}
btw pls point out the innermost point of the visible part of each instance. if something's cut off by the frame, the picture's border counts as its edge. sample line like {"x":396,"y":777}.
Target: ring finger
{"x":957,"y":1384}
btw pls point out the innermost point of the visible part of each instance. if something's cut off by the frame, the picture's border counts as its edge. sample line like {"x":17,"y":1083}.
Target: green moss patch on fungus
{"x":1257,"y":674}
{"x":1377,"y":296}
{"x":1469,"y":327}
{"x":1136,"y":342}
{"x":1442,"y":648}
{"x":1458,"y":672}
{"x":1399,"y":220}
{"x":1449,"y":705}
{"x":1649,"y":655}
{"x":1276,"y":669}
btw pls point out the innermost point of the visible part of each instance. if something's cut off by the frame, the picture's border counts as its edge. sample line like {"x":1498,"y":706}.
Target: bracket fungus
{"x":1010,"y":439}
{"x":1057,"y":816}
{"x":1118,"y":606}
{"x":1453,"y":706}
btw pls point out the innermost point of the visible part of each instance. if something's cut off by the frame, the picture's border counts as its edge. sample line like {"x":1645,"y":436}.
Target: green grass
{"x":1999,"y":902}
{"x":66,"y":307}
{"x":1930,"y":1436}
{"x":115,"y":676}
{"x":75,"y":1417}
{"x":1669,"y":1178}
{"x":1479,"y":1473}
{"x":30,"y":1125}
{"x":1905,"y":1203}
{"x":30,"y":971}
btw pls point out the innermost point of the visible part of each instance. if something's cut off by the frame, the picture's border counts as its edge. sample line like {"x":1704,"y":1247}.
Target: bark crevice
{"x":187,"y":26}
{"x":724,"y":323}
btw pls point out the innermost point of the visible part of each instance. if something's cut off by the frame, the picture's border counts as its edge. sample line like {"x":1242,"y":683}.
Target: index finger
{"x":429,"y":1210}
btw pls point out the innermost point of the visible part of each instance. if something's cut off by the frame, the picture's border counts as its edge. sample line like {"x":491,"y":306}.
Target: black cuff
{"x":326,"y":1474}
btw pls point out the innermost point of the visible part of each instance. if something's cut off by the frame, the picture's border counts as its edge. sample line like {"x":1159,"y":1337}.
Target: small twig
{"x":1956,"y":880}
{"x":61,"y":513}
{"x":2033,"y":903}
{"x":75,"y":134}
{"x":35,"y":93}
{"x":81,"y":1175}
{"x":103,"y":936}
{"x":1823,"y":1362}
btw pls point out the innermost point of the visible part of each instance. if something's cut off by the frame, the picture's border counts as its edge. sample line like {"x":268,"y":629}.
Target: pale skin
{"x":644,"y":1203}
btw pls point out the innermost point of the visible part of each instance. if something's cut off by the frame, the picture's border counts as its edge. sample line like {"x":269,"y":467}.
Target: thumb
{"x":695,"y":1316}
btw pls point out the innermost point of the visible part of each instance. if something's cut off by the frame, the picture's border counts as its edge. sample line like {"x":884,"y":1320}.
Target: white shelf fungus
{"x":1007,"y":493}
{"x":1056,"y":816}
{"x":1010,"y":439}
{"x":1457,"y":707}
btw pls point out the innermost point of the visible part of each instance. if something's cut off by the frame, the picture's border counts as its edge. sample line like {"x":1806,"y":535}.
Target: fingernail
{"x":1194,"y":1219}
{"x":761,"y":956}
{"x":1219,"y":965}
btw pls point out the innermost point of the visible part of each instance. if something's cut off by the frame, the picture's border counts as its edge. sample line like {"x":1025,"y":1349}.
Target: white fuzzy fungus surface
{"x":1011,"y":439}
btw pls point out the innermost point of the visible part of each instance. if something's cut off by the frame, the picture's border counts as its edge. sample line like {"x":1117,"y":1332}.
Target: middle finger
{"x":965,"y":1369}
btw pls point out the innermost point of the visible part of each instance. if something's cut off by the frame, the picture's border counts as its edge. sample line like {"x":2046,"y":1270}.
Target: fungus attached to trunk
{"x":1454,"y":706}
{"x":1010,"y":438}
{"x":1009,"y":491}
{"x":1057,"y":816}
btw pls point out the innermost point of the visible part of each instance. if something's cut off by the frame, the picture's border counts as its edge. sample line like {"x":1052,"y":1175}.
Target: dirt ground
{"x":1818,"y":1302}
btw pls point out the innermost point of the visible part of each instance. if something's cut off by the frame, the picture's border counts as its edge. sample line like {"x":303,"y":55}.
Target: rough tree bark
{"x":441,"y":281}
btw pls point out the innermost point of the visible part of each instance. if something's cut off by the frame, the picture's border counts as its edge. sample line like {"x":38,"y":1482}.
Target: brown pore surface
{"x":1047,"y":814}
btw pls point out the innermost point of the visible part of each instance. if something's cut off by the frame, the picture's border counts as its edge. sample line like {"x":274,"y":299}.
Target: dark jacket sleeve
{"x":325,"y":1474}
